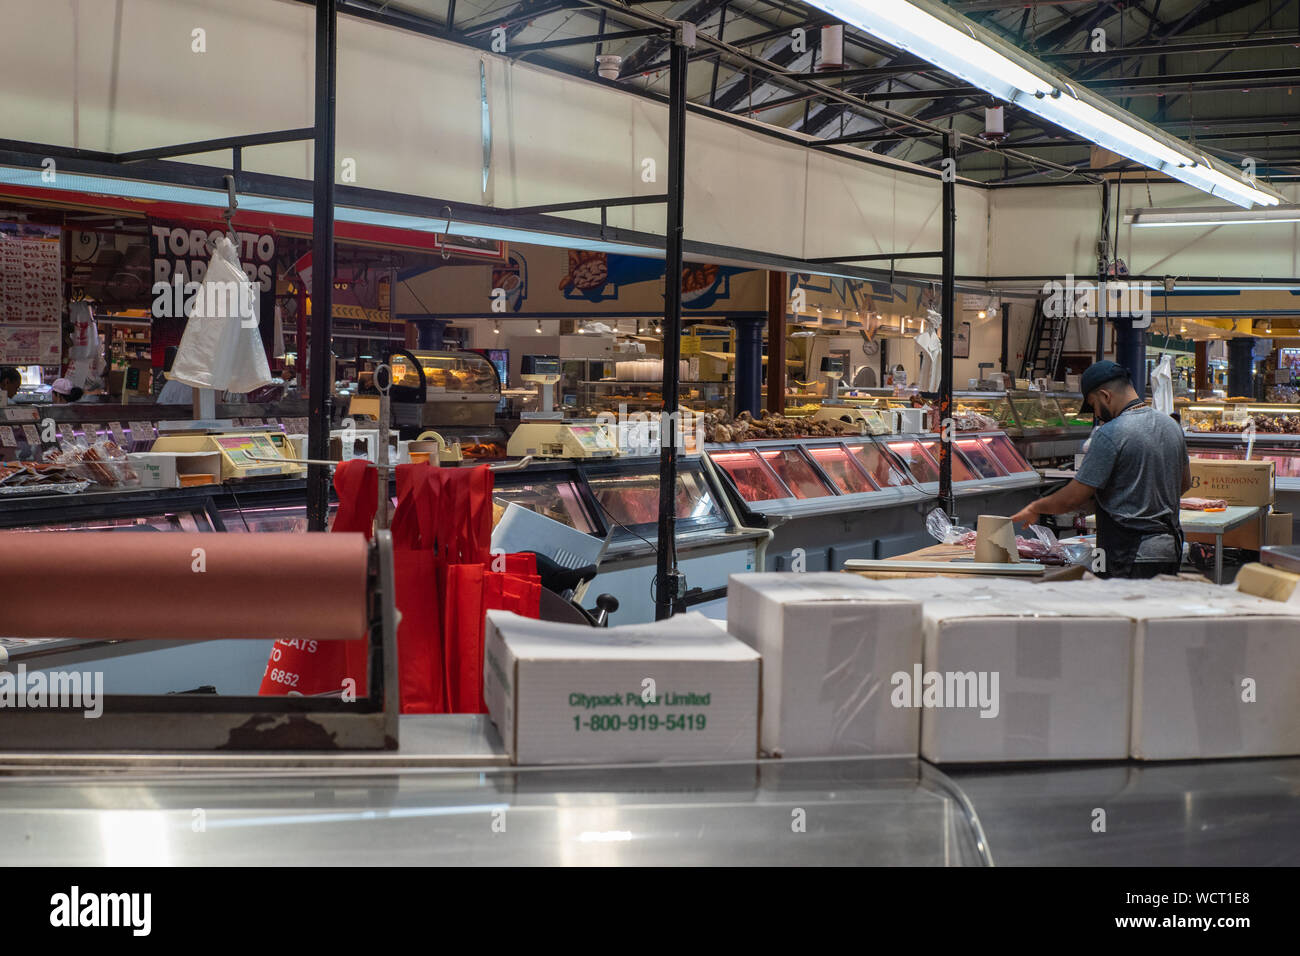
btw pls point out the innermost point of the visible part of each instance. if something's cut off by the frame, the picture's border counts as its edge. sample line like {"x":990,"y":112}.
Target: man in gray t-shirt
{"x":1137,"y":469}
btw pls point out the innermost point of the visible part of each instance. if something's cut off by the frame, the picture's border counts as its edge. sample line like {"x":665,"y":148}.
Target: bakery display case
{"x":432,"y":388}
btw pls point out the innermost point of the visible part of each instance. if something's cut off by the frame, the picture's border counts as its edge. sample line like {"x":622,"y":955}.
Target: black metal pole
{"x":320,"y":388}
{"x":1005,"y":355}
{"x":669,"y":585}
{"x":949,"y":225}
{"x":1103,"y":263}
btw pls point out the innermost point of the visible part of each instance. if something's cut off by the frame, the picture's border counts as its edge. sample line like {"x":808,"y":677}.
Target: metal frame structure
{"x":856,"y":94}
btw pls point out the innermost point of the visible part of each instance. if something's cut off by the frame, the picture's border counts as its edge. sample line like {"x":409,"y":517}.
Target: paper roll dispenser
{"x":192,"y":587}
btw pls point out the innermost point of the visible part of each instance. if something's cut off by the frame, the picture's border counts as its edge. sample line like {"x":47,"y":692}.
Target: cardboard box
{"x":1236,"y":482}
{"x":1279,"y":527}
{"x":1277,"y":530}
{"x":1271,"y":584}
{"x":830,"y":643}
{"x":681,"y":689}
{"x":1216,"y":673}
{"x":1015,"y":677}
{"x":174,"y":469}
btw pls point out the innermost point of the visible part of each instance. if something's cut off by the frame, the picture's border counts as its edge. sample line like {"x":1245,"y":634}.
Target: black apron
{"x":1119,"y":544}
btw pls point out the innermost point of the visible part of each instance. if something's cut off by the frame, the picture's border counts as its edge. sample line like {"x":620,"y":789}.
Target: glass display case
{"x":752,"y":474}
{"x":992,"y":405}
{"x":1269,"y":419}
{"x":595,"y":397}
{"x":843,"y":469}
{"x":979,"y":456}
{"x":444,"y":371}
{"x":1036,"y":410}
{"x":919,"y":464}
{"x":961,"y":471}
{"x":557,"y":495}
{"x":1070,"y":405}
{"x":884,"y":470}
{"x":797,"y":472}
{"x":627,"y":496}
{"x":1002,"y":448}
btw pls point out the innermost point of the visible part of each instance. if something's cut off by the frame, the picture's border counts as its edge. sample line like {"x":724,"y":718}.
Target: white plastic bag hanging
{"x":1162,"y":385}
{"x":931,"y":347}
{"x":85,"y":357}
{"x":222,"y":348}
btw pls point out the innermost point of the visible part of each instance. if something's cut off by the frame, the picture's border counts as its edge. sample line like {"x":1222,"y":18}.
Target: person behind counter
{"x":10,"y":381}
{"x":64,"y":392}
{"x":1137,"y":468}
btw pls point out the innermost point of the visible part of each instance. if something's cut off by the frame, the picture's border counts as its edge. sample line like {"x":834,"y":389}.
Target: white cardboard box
{"x":162,"y":469}
{"x":830,"y":643}
{"x":565,"y":694}
{"x":1053,"y":681}
{"x":1216,"y":672}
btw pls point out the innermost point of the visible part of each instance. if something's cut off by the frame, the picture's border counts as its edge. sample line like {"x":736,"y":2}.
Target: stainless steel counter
{"x":449,"y":797}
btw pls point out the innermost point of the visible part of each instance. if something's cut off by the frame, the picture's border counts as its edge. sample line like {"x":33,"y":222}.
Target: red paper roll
{"x":183,"y":586}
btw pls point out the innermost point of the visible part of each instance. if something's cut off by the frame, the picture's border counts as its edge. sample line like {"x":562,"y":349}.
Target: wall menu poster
{"x":31,"y":294}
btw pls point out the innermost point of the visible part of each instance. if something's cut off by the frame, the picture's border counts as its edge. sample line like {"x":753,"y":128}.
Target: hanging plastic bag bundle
{"x":222,"y":347}
{"x":1162,"y":385}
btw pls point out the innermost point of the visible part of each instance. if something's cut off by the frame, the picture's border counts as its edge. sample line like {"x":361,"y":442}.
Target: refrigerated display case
{"x":828,"y":500}
{"x":1048,"y":427}
{"x":1269,"y":419}
{"x":993,"y":405}
{"x":627,"y":495}
{"x":554,"y":491}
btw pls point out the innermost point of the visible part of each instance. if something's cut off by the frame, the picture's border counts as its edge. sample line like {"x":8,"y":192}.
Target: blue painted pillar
{"x":749,"y":365}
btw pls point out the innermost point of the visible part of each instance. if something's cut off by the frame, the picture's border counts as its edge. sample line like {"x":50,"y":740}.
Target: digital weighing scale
{"x":563,"y":439}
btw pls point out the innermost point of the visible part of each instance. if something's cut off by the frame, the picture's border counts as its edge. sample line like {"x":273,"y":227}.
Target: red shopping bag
{"x":317,"y":667}
{"x":472,"y":591}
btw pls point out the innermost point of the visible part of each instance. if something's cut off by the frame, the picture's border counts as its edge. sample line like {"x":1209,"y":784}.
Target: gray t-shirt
{"x":1135,"y":462}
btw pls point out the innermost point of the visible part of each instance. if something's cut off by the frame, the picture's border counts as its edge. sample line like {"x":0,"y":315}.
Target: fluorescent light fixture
{"x":964,"y":49}
{"x":1211,"y":216}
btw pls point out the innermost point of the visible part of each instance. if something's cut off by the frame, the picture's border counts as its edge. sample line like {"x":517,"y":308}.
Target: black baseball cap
{"x":1097,"y":375}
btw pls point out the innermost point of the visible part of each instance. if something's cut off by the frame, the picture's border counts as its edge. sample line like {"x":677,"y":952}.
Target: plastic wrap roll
{"x":183,"y":586}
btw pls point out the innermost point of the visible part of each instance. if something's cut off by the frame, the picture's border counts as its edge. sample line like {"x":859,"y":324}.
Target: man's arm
{"x":1070,"y":498}
{"x":1187,"y":476}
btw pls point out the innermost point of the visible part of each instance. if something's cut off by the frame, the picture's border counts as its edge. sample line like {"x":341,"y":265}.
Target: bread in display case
{"x":432,"y":388}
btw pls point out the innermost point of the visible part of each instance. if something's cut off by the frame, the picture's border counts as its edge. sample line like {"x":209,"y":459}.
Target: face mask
{"x":1101,"y":414}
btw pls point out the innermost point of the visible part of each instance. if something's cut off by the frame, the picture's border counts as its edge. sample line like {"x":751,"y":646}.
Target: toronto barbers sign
{"x":182,"y":250}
